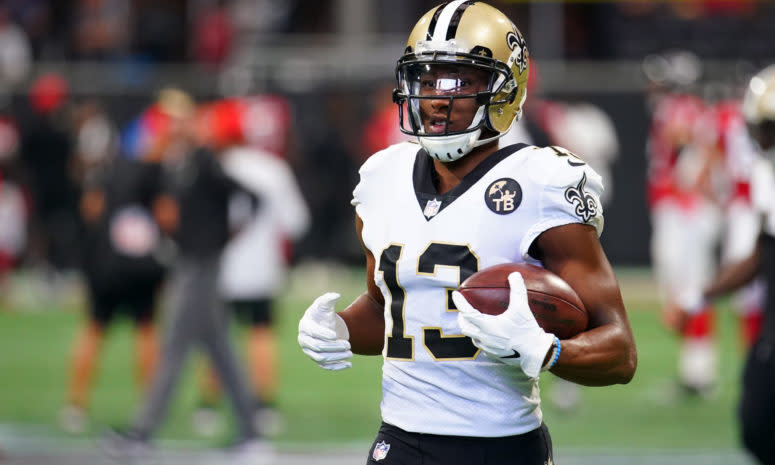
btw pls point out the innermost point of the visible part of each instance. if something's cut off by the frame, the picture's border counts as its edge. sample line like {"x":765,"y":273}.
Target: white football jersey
{"x":253,"y":265}
{"x":434,"y":379}
{"x":762,"y":192}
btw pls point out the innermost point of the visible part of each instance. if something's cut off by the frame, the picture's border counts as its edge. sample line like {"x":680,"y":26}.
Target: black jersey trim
{"x":424,"y":176}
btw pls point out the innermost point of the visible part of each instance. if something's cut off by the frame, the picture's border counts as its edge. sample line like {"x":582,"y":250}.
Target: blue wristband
{"x":557,"y":350}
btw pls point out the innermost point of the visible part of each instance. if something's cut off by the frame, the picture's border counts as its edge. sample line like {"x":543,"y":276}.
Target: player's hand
{"x":514,"y":336}
{"x":323,"y":334}
{"x":677,"y":312}
{"x":674,"y":317}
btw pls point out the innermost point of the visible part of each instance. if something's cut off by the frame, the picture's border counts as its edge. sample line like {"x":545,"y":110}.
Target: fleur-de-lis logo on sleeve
{"x":586,"y":206}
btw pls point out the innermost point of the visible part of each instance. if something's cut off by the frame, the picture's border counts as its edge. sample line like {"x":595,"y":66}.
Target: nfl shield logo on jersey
{"x":431,"y":208}
{"x":380,"y":451}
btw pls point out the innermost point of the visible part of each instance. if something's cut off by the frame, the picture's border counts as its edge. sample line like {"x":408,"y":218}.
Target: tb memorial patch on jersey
{"x":503,"y":196}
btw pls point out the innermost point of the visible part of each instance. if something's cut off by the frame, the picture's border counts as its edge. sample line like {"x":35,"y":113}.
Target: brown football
{"x":555,"y":305}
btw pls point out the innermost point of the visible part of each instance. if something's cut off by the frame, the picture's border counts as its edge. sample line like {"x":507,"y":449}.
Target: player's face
{"x":445,"y":114}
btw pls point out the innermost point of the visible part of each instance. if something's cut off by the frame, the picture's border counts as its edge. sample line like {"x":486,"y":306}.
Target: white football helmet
{"x":472,"y":38}
{"x":759,"y":108}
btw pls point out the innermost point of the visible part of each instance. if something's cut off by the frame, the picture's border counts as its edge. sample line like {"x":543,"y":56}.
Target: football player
{"x":460,"y":386}
{"x":685,"y":218}
{"x":741,"y":220}
{"x":757,"y":402}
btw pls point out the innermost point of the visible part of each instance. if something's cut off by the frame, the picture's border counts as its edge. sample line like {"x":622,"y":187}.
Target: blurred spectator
{"x":13,"y":228}
{"x":260,"y":121}
{"x":96,"y":140}
{"x":13,"y":206}
{"x":15,"y":53}
{"x":47,"y":159}
{"x":710,"y":8}
{"x":9,"y":143}
{"x":710,"y":29}
{"x":266,"y":124}
{"x":382,"y":128}
{"x":159,"y":30}
{"x":302,"y":19}
{"x":195,"y":210}
{"x":101,"y":29}
{"x":46,"y":24}
{"x":122,"y":254}
{"x":212,"y":34}
{"x":261,"y":16}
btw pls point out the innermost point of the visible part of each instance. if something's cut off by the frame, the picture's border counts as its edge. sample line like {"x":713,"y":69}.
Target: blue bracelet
{"x":558,"y":348}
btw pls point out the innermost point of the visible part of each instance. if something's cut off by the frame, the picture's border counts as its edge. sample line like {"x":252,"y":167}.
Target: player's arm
{"x":365,"y":317}
{"x":735,"y":275}
{"x":605,"y":353}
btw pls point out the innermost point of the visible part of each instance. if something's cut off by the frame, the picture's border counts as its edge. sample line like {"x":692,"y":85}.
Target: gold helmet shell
{"x":758,"y":108}
{"x":759,"y":99}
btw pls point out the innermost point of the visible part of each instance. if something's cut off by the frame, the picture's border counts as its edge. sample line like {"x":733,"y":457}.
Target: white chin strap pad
{"x":450,"y":148}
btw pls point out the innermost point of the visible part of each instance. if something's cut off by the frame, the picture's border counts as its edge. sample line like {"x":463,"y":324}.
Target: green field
{"x":343,"y":407}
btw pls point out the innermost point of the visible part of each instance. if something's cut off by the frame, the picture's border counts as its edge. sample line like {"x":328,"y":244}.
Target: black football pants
{"x":395,"y":446}
{"x":757,"y":404}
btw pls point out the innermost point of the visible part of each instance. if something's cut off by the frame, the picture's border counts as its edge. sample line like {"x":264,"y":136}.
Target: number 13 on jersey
{"x":399,"y":345}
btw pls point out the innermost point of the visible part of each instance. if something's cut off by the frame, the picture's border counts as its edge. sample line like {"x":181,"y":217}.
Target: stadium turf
{"x":343,"y":407}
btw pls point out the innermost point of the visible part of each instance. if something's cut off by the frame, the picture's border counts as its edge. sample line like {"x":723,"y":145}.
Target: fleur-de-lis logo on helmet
{"x":517,"y":43}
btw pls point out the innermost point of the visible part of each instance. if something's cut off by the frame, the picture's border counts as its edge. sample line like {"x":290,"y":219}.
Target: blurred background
{"x":310,"y":81}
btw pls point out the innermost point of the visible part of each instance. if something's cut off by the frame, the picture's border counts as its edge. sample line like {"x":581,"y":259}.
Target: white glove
{"x":512,"y":337}
{"x":323,"y":334}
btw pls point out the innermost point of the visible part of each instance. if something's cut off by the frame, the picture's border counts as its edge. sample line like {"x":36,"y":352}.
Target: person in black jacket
{"x":194,"y":209}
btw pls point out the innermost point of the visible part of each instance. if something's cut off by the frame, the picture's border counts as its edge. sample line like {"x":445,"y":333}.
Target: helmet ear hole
{"x":512,"y":96}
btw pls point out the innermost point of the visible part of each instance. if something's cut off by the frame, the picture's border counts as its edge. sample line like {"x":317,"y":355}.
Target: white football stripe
{"x":440,"y":33}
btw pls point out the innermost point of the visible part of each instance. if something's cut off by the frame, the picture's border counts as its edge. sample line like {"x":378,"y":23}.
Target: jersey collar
{"x":431,"y":202}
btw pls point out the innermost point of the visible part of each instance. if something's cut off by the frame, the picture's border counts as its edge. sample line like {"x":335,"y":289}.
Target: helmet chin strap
{"x":450,"y":148}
